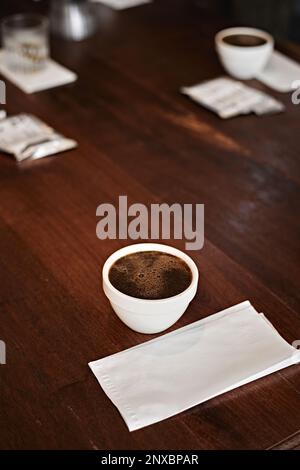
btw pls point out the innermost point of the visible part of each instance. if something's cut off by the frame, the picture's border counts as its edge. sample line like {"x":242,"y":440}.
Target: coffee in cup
{"x":149,"y":285}
{"x":150,"y":275}
{"x":244,"y":52}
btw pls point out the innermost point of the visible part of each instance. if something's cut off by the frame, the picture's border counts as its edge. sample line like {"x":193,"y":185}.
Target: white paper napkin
{"x":162,"y":377}
{"x":51,"y":76}
{"x":122,"y":4}
{"x":280,"y":73}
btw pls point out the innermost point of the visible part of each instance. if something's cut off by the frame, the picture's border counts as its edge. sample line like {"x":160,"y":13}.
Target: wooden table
{"x":139,"y":136}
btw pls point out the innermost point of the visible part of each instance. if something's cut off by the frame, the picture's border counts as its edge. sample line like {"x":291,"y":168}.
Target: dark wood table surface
{"x":139,"y":136}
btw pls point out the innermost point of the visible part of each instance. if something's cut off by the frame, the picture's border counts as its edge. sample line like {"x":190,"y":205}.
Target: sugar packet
{"x":26,"y":137}
{"x":229,"y":98}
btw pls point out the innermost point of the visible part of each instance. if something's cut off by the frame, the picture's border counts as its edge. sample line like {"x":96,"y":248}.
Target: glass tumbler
{"x":25,"y":41}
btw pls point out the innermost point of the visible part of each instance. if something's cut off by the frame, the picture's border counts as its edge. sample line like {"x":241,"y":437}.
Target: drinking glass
{"x":25,"y":40}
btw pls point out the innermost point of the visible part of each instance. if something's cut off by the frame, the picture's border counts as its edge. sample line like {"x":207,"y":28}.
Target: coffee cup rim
{"x":221,"y":35}
{"x":138,"y":247}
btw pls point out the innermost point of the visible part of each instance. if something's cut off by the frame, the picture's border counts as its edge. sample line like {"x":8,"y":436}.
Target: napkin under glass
{"x":165,"y":376}
{"x":51,"y":76}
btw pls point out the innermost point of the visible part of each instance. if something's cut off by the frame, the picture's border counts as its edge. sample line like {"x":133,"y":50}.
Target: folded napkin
{"x":52,"y":75}
{"x":281,"y":73}
{"x":122,"y":4}
{"x":162,"y":377}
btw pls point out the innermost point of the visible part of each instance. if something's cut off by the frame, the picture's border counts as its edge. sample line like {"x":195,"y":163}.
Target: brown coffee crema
{"x":150,"y":275}
{"x":244,"y":40}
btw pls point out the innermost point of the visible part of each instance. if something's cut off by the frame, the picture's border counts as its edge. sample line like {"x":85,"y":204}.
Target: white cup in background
{"x":243,"y":62}
{"x":144,"y":315}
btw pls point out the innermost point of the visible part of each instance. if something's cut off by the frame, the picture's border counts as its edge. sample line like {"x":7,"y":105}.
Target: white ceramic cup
{"x":243,"y":62}
{"x":144,"y":315}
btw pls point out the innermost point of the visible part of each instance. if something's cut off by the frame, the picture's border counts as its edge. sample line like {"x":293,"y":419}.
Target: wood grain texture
{"x":138,"y":136}
{"x":291,"y":443}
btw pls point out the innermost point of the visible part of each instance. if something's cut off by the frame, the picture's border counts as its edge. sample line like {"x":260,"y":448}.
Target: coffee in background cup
{"x":243,"y":52}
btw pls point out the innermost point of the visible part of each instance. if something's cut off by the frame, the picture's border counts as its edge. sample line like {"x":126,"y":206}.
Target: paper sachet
{"x":229,"y":98}
{"x":26,"y":137}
